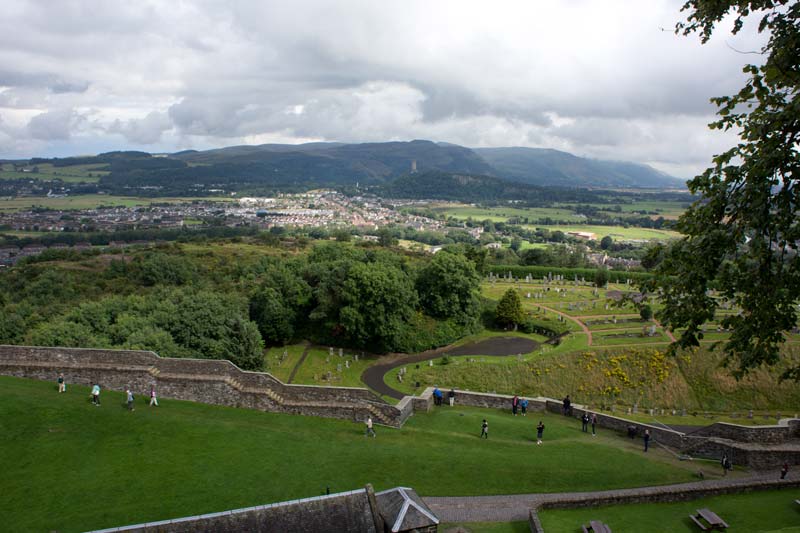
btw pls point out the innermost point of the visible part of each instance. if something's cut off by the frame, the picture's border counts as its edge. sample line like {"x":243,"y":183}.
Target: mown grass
{"x":69,"y":466}
{"x":619,"y":233}
{"x":344,"y":371}
{"x":744,"y":513}
{"x":281,"y":366}
{"x":502,"y":213}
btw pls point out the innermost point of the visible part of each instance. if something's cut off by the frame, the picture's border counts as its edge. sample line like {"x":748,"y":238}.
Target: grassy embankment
{"x":82,"y":467}
{"x":766,"y":512}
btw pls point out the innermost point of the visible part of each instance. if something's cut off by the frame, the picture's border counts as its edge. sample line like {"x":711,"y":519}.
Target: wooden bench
{"x":596,"y":526}
{"x":708,"y":520}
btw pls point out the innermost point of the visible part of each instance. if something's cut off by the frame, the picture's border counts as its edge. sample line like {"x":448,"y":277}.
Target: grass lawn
{"x":69,"y":174}
{"x":69,"y":466}
{"x":315,"y":368}
{"x":746,"y":513}
{"x":279,"y":366}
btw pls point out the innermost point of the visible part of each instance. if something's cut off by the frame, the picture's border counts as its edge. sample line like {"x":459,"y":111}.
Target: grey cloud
{"x":53,"y":125}
{"x":147,"y":130}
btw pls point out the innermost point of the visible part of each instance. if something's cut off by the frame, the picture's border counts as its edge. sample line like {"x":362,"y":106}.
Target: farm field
{"x":69,"y":174}
{"x":116,"y":467}
{"x":766,"y":511}
{"x":618,"y":233}
{"x":88,"y":201}
{"x":503,"y":213}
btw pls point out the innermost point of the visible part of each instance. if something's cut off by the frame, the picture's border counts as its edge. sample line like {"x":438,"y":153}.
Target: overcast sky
{"x":604,"y":79}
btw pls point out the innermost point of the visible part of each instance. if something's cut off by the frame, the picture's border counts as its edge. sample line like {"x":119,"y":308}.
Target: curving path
{"x":495,"y":347}
{"x":581,"y":324}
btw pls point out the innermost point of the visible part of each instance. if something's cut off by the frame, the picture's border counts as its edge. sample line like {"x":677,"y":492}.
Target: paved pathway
{"x":581,"y":324}
{"x":493,"y":346}
{"x":516,"y":507}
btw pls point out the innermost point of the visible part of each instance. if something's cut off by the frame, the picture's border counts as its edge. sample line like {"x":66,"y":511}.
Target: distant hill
{"x":435,"y":184}
{"x":540,"y":166}
{"x":274,"y":167}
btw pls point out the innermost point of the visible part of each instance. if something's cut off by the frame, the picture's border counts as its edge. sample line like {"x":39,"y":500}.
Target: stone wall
{"x":207,"y":381}
{"x":345,"y":511}
{"x":664,"y":494}
{"x":785,"y":430}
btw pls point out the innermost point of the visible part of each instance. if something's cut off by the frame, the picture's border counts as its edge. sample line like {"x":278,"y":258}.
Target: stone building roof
{"x":403,"y":510}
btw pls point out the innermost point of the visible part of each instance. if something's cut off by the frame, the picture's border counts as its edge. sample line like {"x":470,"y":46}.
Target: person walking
{"x":153,"y":399}
{"x":584,"y":422}
{"x":96,"y":395}
{"x":523,"y":405}
{"x":485,"y":429}
{"x":539,"y":432}
{"x":726,"y":464}
{"x":129,"y":397}
{"x":646,"y":439}
{"x":784,"y":470}
{"x":514,"y":405}
{"x":369,"y":431}
{"x":594,"y":424}
{"x":62,"y":385}
{"x":451,"y":396}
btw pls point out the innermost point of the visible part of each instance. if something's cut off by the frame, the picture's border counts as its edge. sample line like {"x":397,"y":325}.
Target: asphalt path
{"x":493,"y":347}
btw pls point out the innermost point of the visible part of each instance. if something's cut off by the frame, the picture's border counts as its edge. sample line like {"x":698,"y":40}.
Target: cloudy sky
{"x":606,"y":79}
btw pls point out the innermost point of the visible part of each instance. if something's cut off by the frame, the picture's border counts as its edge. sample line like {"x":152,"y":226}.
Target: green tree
{"x":376,"y":301}
{"x":509,"y":309}
{"x":449,"y":287}
{"x":600,"y":277}
{"x":646,"y":312}
{"x":606,"y":242}
{"x":741,"y":236}
{"x":274,"y":319}
{"x":386,"y":238}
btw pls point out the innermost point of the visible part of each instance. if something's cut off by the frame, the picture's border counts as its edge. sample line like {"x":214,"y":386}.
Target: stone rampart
{"x":207,"y":381}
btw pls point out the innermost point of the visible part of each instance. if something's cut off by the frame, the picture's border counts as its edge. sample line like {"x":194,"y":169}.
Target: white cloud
{"x":605,"y":79}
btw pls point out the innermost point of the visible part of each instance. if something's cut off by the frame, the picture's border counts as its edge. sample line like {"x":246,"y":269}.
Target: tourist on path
{"x":539,"y":432}
{"x":451,"y":396}
{"x":726,"y":464}
{"x":567,"y":406}
{"x":523,"y":405}
{"x":594,"y":424}
{"x":514,"y":405}
{"x":369,"y":431}
{"x":153,"y":399}
{"x":129,"y":397}
{"x":646,"y":439}
{"x":485,"y":429}
{"x":62,"y":385}
{"x":784,"y":470}
{"x":584,"y":422}
{"x":96,"y":395}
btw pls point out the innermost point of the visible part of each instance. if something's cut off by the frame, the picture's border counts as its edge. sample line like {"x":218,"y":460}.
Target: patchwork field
{"x":88,"y":201}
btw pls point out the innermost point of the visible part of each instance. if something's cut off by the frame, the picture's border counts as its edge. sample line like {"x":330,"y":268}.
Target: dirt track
{"x":494,"y":347}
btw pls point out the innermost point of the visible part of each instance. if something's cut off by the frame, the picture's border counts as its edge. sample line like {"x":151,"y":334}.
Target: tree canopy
{"x":742,"y":236}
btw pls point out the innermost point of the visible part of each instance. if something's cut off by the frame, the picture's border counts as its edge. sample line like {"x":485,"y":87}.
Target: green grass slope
{"x":69,"y":466}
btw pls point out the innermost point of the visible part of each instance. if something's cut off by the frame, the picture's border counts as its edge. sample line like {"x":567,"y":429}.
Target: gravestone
{"x":339,"y":367}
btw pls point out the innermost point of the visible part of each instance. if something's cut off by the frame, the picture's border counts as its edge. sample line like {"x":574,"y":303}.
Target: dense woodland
{"x":205,"y":301}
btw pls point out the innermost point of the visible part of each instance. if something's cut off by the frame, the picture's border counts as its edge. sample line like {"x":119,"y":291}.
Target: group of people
{"x":519,"y":404}
{"x":95,"y":393}
{"x":586,"y":420}
{"x":438,"y":397}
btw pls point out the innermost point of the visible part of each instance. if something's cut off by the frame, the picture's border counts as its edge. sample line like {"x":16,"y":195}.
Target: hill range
{"x":303,"y":166}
